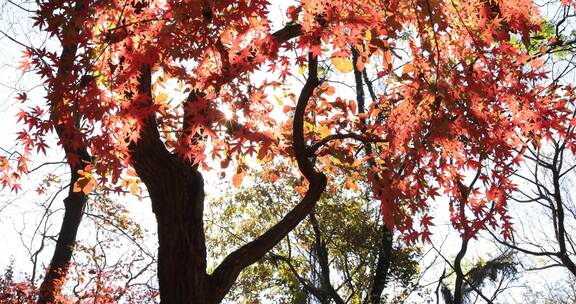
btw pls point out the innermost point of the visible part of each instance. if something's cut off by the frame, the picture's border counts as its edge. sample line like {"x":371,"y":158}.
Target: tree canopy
{"x":160,"y":93}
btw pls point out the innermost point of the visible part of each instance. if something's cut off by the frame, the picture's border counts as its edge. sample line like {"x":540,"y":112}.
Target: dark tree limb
{"x":75,"y":202}
{"x":382,"y":266}
{"x":226,"y":273}
{"x":459,"y":282}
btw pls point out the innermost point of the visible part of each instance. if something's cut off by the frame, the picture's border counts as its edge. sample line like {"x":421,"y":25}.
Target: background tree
{"x":331,"y":257}
{"x":111,"y":264}
{"x":548,"y":184}
{"x":543,"y":205}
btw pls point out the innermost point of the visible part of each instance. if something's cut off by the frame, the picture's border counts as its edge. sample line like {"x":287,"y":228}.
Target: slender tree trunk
{"x":382,"y":266}
{"x":74,"y":204}
{"x":56,"y":275}
{"x":559,"y":214}
{"x":385,"y":245}
{"x":459,"y":284}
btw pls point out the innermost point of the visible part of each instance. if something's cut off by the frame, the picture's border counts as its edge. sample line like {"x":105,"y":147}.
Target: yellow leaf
{"x":308,"y":126}
{"x":237,"y":179}
{"x":407,"y":68}
{"x":368,"y":35}
{"x":342,"y":65}
{"x":162,"y":98}
{"x":278,"y":100}
{"x":134,"y":189}
{"x":324,"y":131}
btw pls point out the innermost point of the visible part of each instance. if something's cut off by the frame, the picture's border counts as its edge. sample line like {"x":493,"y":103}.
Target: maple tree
{"x":160,"y":91}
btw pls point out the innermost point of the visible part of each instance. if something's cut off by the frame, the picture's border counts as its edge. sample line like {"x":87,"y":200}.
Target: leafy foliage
{"x":465,"y":98}
{"x":349,"y":224}
{"x":158,"y":90}
{"x":14,"y":291}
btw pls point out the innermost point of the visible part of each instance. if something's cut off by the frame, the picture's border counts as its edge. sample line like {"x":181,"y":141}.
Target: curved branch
{"x":299,"y":145}
{"x":226,"y":273}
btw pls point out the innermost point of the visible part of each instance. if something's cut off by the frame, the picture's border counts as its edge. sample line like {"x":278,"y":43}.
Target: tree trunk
{"x":382,"y":266}
{"x":182,"y":253}
{"x":176,"y":190}
{"x":74,"y":204}
{"x":384,"y":260}
{"x":56,"y":274}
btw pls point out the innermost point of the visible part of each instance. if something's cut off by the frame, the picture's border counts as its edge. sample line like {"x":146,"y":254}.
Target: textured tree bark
{"x":177,"y":199}
{"x":177,"y":196}
{"x":177,"y":193}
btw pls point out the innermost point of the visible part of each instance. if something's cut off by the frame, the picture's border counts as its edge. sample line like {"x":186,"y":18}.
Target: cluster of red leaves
{"x":21,"y":292}
{"x":467,"y":101}
{"x":94,"y":287}
{"x":13,"y":291}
